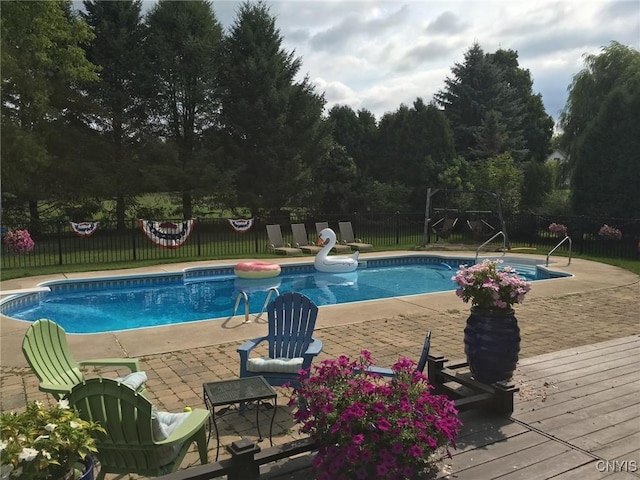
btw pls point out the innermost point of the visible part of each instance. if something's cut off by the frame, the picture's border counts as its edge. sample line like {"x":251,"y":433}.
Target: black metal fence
{"x":58,"y":244}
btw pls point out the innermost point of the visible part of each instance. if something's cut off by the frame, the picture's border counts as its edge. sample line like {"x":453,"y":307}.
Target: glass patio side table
{"x":227,"y":393}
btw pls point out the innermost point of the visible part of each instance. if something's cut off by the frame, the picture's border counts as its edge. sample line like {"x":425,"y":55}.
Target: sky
{"x":377,"y":55}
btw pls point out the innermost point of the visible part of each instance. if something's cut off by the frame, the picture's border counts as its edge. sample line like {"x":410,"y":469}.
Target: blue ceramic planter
{"x":492,"y":344}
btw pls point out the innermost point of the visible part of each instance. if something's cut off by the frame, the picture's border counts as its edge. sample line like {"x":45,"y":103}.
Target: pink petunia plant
{"x":367,"y":426}
{"x":19,"y":241}
{"x":610,"y":233}
{"x":487,"y":286}
{"x":558,"y":229}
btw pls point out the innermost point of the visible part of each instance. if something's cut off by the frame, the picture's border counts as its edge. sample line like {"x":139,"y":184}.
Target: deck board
{"x":578,"y":408}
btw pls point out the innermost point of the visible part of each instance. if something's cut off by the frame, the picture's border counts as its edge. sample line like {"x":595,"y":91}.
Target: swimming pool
{"x":128,"y":302}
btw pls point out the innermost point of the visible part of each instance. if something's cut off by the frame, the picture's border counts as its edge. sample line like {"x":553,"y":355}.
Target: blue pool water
{"x":104,"y":305}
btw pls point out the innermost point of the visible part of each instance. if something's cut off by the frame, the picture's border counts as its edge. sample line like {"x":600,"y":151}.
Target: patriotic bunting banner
{"x":84,"y":229}
{"x":241,"y":224}
{"x":167,"y":234}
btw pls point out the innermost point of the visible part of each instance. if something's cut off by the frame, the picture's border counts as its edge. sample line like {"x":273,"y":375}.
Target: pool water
{"x":94,"y":307}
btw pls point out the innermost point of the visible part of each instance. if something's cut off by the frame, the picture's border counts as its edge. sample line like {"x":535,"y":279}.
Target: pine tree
{"x":183,"y":44}
{"x":118,"y":98}
{"x":273,"y":124}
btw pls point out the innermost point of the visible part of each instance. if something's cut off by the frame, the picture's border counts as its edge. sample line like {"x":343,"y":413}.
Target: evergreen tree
{"x":183,"y":44}
{"x":528,"y":113}
{"x":488,"y":93}
{"x":273,"y":124}
{"x":118,"y":97}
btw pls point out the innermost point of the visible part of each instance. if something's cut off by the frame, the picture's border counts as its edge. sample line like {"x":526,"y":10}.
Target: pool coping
{"x":587,"y":276}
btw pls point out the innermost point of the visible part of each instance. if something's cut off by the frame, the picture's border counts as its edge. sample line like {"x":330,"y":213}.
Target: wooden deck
{"x":577,"y":416}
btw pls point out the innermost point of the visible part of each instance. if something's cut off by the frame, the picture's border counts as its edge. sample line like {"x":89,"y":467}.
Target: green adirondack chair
{"x":139,"y":439}
{"x":47,"y":352}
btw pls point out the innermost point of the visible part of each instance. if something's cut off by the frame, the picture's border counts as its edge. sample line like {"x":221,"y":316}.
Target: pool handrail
{"x":270,"y":292}
{"x":567,"y":237}
{"x":504,"y":244}
{"x":242,"y":295}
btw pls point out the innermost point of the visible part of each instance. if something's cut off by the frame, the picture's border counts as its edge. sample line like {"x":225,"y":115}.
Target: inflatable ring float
{"x":257,"y":269}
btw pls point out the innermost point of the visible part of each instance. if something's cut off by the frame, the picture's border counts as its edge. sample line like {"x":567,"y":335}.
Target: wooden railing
{"x":244,"y":464}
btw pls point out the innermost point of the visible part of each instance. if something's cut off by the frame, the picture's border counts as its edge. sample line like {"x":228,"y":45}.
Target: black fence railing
{"x":57,"y":244}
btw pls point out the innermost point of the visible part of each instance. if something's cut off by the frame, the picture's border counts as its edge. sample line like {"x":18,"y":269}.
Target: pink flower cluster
{"x":488,"y":287}
{"x":610,"y":232}
{"x":558,"y":229}
{"x":19,"y":241}
{"x":370,"y":427}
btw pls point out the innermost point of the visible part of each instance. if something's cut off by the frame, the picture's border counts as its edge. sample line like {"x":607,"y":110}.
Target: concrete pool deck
{"x":588,"y":277}
{"x":598,"y":303}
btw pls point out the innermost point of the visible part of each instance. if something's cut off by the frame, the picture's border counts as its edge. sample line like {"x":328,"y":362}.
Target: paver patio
{"x":600,"y":303}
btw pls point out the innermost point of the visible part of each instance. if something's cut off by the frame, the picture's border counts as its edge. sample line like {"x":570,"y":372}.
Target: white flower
{"x":3,"y":445}
{"x":50,"y":427}
{"x":63,"y":404}
{"x":73,"y":424}
{"x":41,"y":437}
{"x":5,"y":471}
{"x":28,"y":454}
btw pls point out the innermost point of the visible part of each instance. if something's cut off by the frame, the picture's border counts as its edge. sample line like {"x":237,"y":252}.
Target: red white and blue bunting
{"x":167,"y":234}
{"x":84,"y":229}
{"x":241,"y":224}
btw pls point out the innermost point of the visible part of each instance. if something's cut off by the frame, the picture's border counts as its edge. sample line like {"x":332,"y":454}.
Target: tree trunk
{"x":120,"y":211}
{"x":187,"y":207}
{"x":34,"y":217}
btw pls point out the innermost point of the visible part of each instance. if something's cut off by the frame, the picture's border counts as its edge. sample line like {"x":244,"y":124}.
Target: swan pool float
{"x":334,"y":263}
{"x":257,"y":269}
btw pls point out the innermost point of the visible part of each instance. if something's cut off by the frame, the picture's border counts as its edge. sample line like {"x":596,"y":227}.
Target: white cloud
{"x":377,"y":54}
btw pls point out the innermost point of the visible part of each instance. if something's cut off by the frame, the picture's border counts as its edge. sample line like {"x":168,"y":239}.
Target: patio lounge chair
{"x":337,"y":247}
{"x":346,"y":233}
{"x":291,"y":346}
{"x":139,"y":439}
{"x":301,"y":239}
{"x":422,"y":362}
{"x":47,"y":352}
{"x":276,"y":243}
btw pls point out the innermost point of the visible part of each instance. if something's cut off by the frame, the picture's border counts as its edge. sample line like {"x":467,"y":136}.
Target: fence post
{"x":198,"y":242}
{"x":244,"y":466}
{"x":59,"y":243}
{"x":133,"y":238}
{"x":397,"y":227}
{"x":256,"y":225}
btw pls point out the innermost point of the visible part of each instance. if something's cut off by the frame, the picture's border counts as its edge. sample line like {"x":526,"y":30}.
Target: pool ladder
{"x":242,"y":296}
{"x":565,"y":239}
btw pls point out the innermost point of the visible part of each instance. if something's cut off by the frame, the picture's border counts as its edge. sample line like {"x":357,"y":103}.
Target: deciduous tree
{"x":601,"y":133}
{"x":42,"y":59}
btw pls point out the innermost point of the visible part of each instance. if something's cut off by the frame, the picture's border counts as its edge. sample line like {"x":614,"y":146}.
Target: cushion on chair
{"x":163,"y":424}
{"x":275,"y":365}
{"x":134,"y":380}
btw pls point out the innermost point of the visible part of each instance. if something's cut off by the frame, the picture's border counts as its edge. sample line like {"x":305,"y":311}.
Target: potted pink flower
{"x":492,"y":335}
{"x":19,"y":241}
{"x":369,"y":427}
{"x":610,"y":233}
{"x":558,"y":229}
